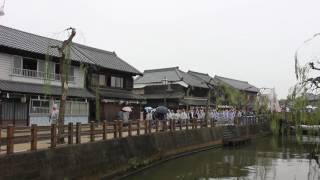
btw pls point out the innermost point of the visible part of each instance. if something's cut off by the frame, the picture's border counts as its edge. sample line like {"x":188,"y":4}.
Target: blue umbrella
{"x":162,"y":110}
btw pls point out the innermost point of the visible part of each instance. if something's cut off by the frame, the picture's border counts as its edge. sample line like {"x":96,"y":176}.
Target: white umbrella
{"x":127,"y":109}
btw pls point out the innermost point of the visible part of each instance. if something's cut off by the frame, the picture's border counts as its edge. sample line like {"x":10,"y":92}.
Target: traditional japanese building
{"x":30,"y":80}
{"x":250,"y":91}
{"x":171,"y":87}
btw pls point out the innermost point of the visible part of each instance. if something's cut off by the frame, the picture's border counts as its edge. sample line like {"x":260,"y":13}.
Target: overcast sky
{"x":251,"y":40}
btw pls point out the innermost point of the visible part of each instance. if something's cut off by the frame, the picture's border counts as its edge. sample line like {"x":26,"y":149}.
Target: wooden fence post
{"x":10,"y":136}
{"x":138,"y":128}
{"x":193,"y":123}
{"x":129,"y":129}
{"x":53,"y":135}
{"x":34,"y":137}
{"x":104,"y":129}
{"x":70,"y":133}
{"x":78,"y":133}
{"x":150,"y":126}
{"x":187,"y":124}
{"x":166,"y":122}
{"x":145,"y":126}
{"x":157,"y":125}
{"x":120,"y":123}
{"x":92,"y":136}
{"x":115,"y":129}
{"x":174,"y":125}
{"x":0,"y":136}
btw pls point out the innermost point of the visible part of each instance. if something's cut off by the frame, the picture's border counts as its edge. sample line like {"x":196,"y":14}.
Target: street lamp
{"x":165,"y":83}
{"x":210,"y":86}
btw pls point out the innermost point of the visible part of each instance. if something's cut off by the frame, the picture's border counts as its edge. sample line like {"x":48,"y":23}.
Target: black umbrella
{"x":161,"y":110}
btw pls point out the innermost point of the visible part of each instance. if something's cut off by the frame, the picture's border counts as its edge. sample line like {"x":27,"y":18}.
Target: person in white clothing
{"x":54,"y":114}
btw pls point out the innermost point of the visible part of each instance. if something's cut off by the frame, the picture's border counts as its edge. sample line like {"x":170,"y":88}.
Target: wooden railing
{"x":28,"y":138}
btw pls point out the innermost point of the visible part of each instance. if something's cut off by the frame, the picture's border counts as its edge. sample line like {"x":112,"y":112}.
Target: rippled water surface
{"x":265,"y":158}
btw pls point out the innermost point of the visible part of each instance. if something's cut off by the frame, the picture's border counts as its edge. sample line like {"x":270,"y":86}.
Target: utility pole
{"x":64,"y":72}
{"x":210,"y":87}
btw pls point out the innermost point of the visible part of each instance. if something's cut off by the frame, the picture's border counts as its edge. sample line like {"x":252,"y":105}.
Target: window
{"x":116,"y":82}
{"x":102,"y":80}
{"x":71,"y":73}
{"x":42,"y":107}
{"x":94,"y":79}
{"x":39,"y":106}
{"x":17,"y":62}
{"x":30,"y":64}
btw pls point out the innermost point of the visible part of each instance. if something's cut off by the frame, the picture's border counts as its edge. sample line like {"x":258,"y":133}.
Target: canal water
{"x":265,"y":158}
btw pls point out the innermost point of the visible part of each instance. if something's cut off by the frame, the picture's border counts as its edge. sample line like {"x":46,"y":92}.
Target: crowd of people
{"x":227,"y":115}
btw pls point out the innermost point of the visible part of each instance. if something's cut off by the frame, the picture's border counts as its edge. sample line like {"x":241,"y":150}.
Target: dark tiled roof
{"x":119,"y":94}
{"x":173,"y":74}
{"x":205,"y":77}
{"x":157,"y":75}
{"x":241,"y":85}
{"x":38,"y":44}
{"x":13,"y":86}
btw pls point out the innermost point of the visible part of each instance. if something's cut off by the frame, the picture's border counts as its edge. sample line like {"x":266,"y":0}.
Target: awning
{"x":118,"y":94}
{"x":194,"y":102}
{"x":164,"y":95}
{"x":30,"y":88}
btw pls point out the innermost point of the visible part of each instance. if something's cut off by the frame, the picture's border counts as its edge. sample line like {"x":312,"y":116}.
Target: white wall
{"x":6,"y":65}
{"x":44,"y":120}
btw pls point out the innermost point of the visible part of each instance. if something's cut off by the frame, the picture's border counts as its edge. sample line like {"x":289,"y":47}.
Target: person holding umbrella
{"x":126,"y":113}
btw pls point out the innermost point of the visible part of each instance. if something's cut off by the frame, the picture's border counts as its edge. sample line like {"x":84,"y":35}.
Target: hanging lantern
{"x":2,"y":8}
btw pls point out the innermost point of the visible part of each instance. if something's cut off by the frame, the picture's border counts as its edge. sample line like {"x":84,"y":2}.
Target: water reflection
{"x":266,"y":158}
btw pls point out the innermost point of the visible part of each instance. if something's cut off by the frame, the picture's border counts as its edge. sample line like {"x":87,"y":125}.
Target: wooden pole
{"x":120,"y":128}
{"x":104,"y":129}
{"x":0,"y":136}
{"x":34,"y":138}
{"x":78,"y":133}
{"x":165,"y":124}
{"x":157,"y":125}
{"x":53,"y":135}
{"x":138,"y":128}
{"x":10,"y":136}
{"x":130,"y":129}
{"x":115,"y":128}
{"x":150,"y":126}
{"x":193,"y":123}
{"x":145,"y":126}
{"x":70,"y":133}
{"x":92,"y":131}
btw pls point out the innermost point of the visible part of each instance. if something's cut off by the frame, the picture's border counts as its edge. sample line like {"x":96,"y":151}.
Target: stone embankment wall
{"x":111,"y":157}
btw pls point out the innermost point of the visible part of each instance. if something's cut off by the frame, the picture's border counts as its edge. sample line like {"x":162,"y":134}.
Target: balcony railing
{"x":39,"y":74}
